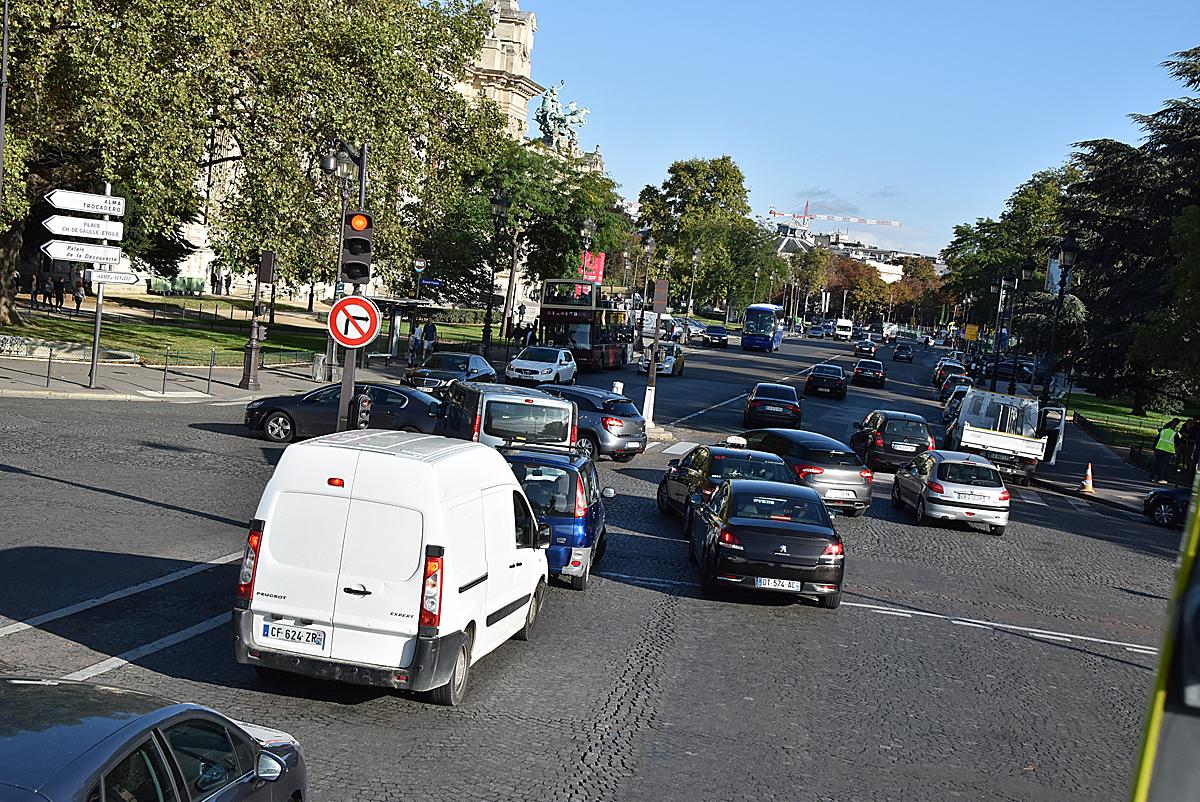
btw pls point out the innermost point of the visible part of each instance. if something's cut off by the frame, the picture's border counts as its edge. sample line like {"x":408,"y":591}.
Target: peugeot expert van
{"x":391,"y":559}
{"x":495,"y":414}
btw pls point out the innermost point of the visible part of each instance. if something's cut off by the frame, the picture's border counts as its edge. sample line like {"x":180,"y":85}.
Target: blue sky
{"x":929,"y":113}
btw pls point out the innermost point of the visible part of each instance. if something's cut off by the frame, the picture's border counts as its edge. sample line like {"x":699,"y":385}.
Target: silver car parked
{"x":953,"y":486}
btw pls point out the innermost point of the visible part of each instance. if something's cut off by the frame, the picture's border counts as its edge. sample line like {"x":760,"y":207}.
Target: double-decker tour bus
{"x":597,"y":329}
{"x":762,"y":328}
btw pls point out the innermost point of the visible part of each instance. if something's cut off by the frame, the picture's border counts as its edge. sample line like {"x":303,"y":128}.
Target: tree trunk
{"x":10,"y":249}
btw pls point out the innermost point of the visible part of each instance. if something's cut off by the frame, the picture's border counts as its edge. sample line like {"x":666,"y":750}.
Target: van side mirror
{"x":608,"y":492}
{"x":542,"y":541}
{"x":673,"y":463}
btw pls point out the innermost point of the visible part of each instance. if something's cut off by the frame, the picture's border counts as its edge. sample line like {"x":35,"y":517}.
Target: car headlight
{"x":547,"y":370}
{"x":254,"y":405}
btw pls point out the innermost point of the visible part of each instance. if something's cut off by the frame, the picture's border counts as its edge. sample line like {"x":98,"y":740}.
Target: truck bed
{"x":1002,"y":442}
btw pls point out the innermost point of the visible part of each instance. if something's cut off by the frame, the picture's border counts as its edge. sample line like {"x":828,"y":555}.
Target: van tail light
{"x":612,"y":424}
{"x":580,"y":497}
{"x":867,"y":474}
{"x":245,"y":586}
{"x":805,"y":471}
{"x":476,"y":427}
{"x":877,"y":441}
{"x":431,"y":591}
{"x":935,"y":487}
{"x":729,"y":540}
{"x":1005,"y":495}
{"x":833,"y":552}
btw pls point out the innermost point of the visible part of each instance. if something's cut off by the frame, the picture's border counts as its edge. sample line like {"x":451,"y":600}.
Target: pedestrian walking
{"x":1185,"y":444}
{"x":47,"y":290}
{"x":77,"y":294}
{"x":429,"y":336}
{"x":415,"y":345}
{"x":228,"y":282}
{"x":60,"y":292}
{"x":530,"y":334}
{"x":1164,"y":451}
{"x":35,"y":281}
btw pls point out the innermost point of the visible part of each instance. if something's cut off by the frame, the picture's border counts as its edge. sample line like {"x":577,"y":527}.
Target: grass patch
{"x":1115,"y":425}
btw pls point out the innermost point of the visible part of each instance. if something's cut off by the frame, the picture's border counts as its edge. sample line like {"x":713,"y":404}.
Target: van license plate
{"x":778,"y":584}
{"x":839,"y":494}
{"x":308,"y":637}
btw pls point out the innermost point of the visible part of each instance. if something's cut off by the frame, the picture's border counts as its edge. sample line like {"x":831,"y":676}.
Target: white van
{"x":390,"y":559}
{"x":843,"y":329}
{"x":665,"y":322}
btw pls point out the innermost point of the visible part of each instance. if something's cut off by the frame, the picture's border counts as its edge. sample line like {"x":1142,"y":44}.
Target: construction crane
{"x":837,"y":218}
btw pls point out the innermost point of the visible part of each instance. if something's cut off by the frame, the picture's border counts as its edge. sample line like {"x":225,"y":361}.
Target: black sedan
{"x":869,"y":371}
{"x":903,"y":353}
{"x":891,"y":438}
{"x":826,"y":380}
{"x":1167,"y":506}
{"x":767,"y":536}
{"x":77,"y":741}
{"x":705,"y":467}
{"x":443,"y":367}
{"x":283,"y":418}
{"x":716,"y":337}
{"x":864,"y":348}
{"x":772,"y":404}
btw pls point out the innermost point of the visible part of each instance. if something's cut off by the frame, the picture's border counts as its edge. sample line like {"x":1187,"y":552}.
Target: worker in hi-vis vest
{"x":1164,"y":451}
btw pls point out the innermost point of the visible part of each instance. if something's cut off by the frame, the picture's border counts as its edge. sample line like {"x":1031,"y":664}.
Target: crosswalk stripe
{"x":680,"y":448}
{"x":653,"y":446}
{"x":1080,"y":506}
{"x":1031,"y":497}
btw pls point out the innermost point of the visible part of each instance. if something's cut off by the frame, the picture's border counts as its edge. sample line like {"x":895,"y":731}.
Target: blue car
{"x":564,"y":489}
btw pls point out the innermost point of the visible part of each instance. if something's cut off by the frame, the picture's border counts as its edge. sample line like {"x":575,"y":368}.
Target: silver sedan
{"x":953,"y":486}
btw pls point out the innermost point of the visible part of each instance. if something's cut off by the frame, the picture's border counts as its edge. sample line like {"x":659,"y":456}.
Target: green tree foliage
{"x":866,"y":292}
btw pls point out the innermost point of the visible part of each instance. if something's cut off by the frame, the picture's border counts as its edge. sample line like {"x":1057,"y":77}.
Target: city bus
{"x":575,"y":315}
{"x":762,"y":328}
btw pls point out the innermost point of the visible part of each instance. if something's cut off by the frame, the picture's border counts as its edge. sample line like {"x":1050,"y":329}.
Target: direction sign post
{"x":660,"y":306}
{"x":106,"y":204}
{"x":109,"y":277}
{"x":85,"y":227}
{"x":67,"y":251}
{"x":354,"y":323}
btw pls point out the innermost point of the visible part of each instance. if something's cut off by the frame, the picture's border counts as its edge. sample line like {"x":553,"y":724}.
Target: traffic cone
{"x":1086,"y":485}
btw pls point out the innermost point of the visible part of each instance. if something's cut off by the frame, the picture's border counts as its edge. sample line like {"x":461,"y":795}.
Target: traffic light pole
{"x":349,"y":359}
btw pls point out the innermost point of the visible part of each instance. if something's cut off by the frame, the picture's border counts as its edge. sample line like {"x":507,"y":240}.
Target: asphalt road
{"x":960,"y":666}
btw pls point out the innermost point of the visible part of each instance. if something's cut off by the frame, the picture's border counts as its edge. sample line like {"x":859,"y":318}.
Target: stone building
{"x":501,"y":72}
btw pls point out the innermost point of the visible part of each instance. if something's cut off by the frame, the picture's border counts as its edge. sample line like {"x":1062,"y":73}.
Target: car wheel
{"x":531,"y":617}
{"x":708,"y":578}
{"x":663,"y":505}
{"x":996,"y":530}
{"x":922,"y":518}
{"x":581,"y":582}
{"x":451,"y":694}
{"x":573,"y":377}
{"x":897,"y":502}
{"x":588,"y":446}
{"x":1164,"y":513}
{"x":831,"y":601}
{"x":278,"y":427}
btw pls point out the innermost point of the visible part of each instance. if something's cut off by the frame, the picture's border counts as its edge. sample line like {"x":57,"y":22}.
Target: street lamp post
{"x":692,"y":284}
{"x":1027,"y":268}
{"x":754,"y":298}
{"x":648,"y":245}
{"x":342,"y":163}
{"x":500,"y":206}
{"x":998,"y":286}
{"x":1066,"y":260}
{"x":625,"y":270}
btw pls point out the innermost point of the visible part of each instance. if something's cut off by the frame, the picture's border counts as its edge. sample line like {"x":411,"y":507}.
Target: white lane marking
{"x":1031,"y":497}
{"x":896,"y":613}
{"x":121,"y":593}
{"x":680,"y":448}
{"x":227,"y":403}
{"x":125,"y":658}
{"x":979,"y":622}
{"x":1044,"y":636}
{"x":709,"y":409}
{"x":1141,"y":650}
{"x":654,"y":445}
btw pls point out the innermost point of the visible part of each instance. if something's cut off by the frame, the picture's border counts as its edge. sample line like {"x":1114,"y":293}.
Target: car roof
{"x":805,"y":437}
{"x":598,"y":393}
{"x":49,"y":723}
{"x":773,"y":488}
{"x":869,"y":362}
{"x":892,"y":414}
{"x":775,"y":384}
{"x":960,"y":456}
{"x":749,"y":453}
{"x":822,"y":365}
{"x":490,"y":388}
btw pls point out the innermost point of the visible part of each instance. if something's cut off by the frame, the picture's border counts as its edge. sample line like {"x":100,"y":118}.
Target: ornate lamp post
{"x":648,"y":245}
{"x":587,"y":231}
{"x":500,"y":206}
{"x":1066,"y":260}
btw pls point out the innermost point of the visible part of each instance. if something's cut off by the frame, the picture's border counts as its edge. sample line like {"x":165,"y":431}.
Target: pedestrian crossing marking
{"x":652,"y":446}
{"x":1031,"y":497}
{"x":680,"y":448}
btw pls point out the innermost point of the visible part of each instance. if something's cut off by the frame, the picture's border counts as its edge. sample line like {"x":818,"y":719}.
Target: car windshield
{"x":906,"y":428}
{"x":759,"y":321}
{"x":969,"y":473}
{"x":870,"y":364}
{"x":779,"y":508}
{"x":828,"y":456}
{"x":621,"y":406}
{"x":527,"y":423}
{"x":539,"y":355}
{"x":715,"y":330}
{"x":550,"y":489}
{"x":903,"y":349}
{"x":828,"y":370}
{"x":778,"y":391}
{"x":724,"y":467}
{"x":456,"y":362}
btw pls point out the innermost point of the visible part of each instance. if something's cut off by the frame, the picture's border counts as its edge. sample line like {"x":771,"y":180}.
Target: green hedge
{"x":471,"y":316}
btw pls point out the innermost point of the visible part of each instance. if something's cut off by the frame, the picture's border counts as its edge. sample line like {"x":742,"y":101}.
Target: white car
{"x":542,"y":364}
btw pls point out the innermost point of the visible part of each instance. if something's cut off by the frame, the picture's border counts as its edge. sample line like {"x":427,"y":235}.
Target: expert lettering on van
{"x":389,"y":559}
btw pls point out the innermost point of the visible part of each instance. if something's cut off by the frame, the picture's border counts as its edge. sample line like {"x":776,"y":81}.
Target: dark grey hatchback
{"x":90,"y":743}
{"x":826,"y":465}
{"x":609,"y":423}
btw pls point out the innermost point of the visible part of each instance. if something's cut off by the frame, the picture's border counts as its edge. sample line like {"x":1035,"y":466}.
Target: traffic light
{"x":360,"y":411}
{"x":358,"y":234}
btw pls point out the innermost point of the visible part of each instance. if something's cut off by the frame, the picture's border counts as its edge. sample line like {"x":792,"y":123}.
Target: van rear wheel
{"x":452,"y":693}
{"x":531,"y":616}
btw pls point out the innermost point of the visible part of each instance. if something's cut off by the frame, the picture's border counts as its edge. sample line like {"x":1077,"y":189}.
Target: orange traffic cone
{"x":1086,"y":485}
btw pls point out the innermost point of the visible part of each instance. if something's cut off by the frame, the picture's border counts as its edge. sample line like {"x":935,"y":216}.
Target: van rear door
{"x":377,"y":598}
{"x":295,"y":584}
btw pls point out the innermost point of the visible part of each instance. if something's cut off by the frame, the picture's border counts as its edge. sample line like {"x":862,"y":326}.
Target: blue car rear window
{"x":551,"y":490}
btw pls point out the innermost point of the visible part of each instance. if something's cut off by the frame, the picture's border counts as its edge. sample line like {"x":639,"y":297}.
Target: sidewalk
{"x":1117,"y":483}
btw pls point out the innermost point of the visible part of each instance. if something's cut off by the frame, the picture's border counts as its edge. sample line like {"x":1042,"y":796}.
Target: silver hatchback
{"x":953,"y":486}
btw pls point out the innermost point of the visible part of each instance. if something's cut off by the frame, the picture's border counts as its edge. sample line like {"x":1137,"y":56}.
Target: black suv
{"x":716,"y":336}
{"x":903,"y":353}
{"x":609,"y":423}
{"x":774,"y":404}
{"x":890,"y":438}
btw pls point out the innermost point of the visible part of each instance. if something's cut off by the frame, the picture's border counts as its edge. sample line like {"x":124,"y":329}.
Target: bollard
{"x":166,"y":361}
{"x":619,"y":388}
{"x":212,"y":360}
{"x":49,"y":365}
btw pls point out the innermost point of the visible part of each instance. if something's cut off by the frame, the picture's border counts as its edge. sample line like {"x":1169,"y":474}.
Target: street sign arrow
{"x":109,"y":277}
{"x":66,"y":251}
{"x":85,"y":227}
{"x":86,"y":202}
